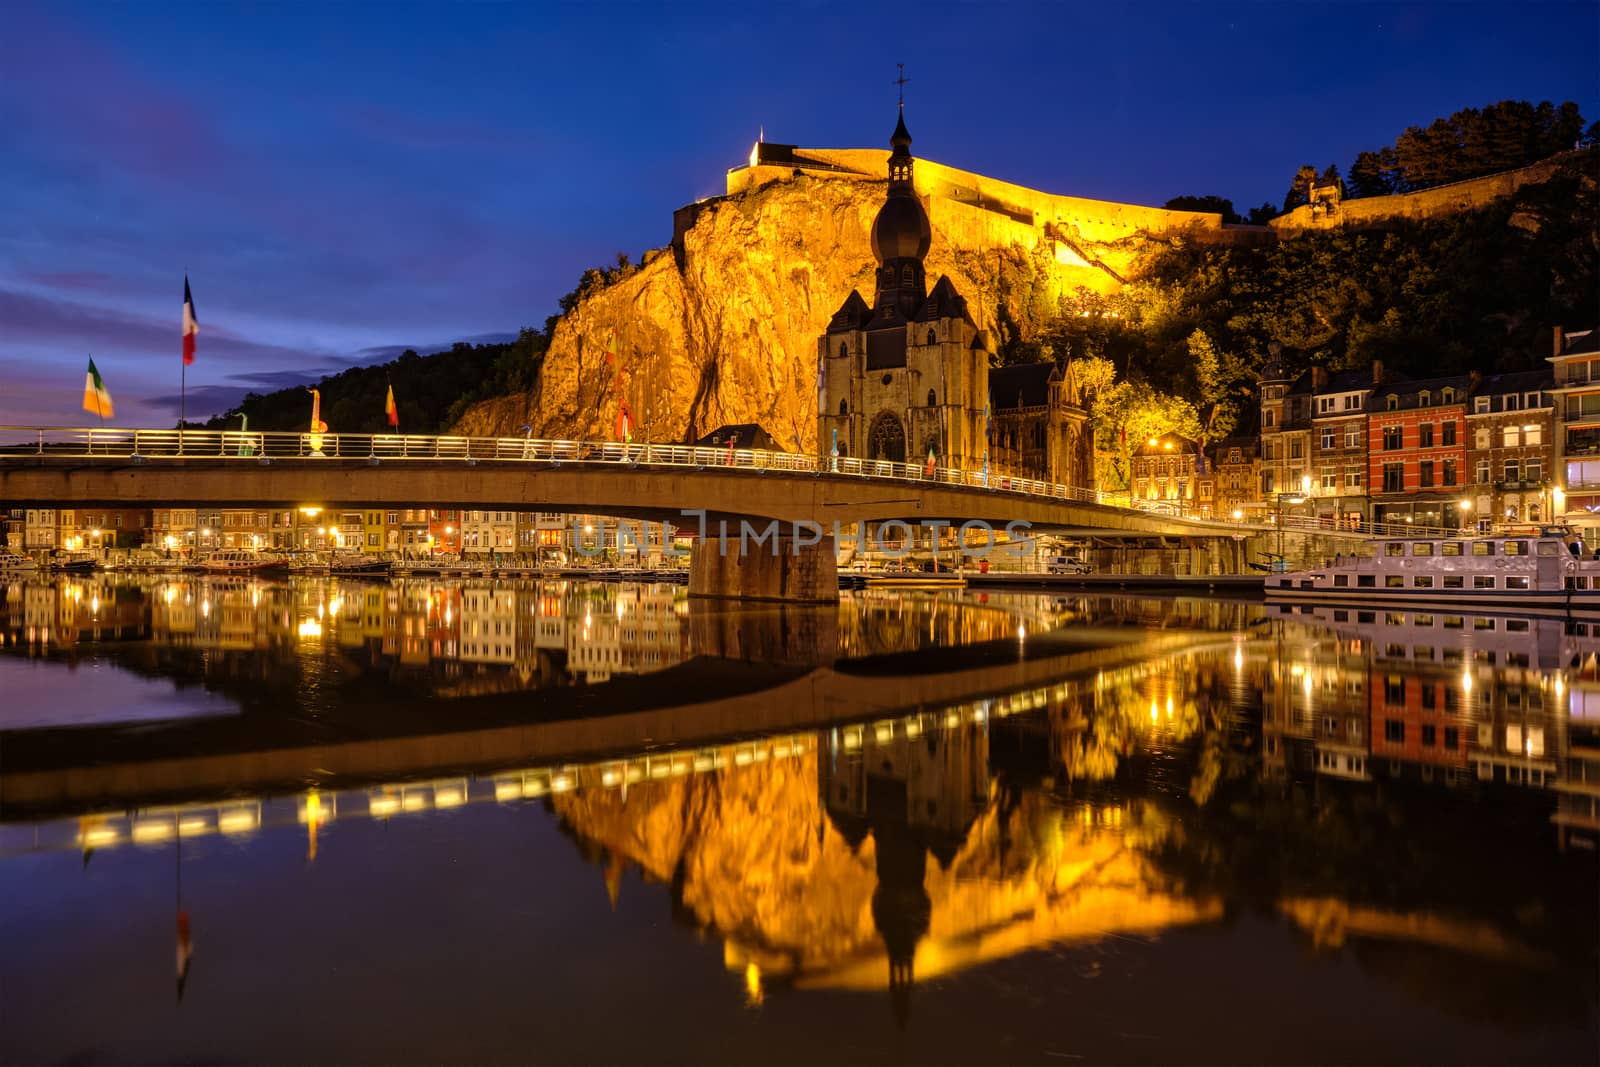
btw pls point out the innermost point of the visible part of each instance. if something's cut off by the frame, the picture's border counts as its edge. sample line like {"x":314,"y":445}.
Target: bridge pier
{"x":780,"y":566}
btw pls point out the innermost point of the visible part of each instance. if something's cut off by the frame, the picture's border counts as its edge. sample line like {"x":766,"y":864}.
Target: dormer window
{"x":1424,"y":398}
{"x":1447,"y":397}
{"x":1480,"y":405}
{"x":1393,"y":403}
{"x":1510,"y":402}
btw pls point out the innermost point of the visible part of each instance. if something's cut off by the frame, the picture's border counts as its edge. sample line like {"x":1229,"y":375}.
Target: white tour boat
{"x":15,"y":563}
{"x":1547,"y":568}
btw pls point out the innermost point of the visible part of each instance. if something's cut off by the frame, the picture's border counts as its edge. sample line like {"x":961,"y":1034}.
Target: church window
{"x":843,"y":351}
{"x":887,"y":439}
{"x":933,"y":338}
{"x":844,"y":407}
{"x":933,"y":399}
{"x":907,"y":275}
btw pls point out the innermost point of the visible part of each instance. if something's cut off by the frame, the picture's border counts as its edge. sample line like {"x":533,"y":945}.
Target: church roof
{"x":852,"y":314}
{"x":943,"y":302}
{"x":1026,"y":385}
{"x":901,"y":138}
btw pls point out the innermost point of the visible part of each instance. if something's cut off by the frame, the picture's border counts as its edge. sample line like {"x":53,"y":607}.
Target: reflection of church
{"x":915,"y":795}
{"x":909,"y":375}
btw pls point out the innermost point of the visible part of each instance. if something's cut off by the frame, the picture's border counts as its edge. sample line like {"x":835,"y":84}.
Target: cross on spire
{"x":901,"y":83}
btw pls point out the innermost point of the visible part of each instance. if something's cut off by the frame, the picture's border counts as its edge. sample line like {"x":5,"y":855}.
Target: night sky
{"x":343,"y":181}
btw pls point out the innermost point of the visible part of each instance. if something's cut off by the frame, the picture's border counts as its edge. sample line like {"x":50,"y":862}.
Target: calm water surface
{"x":438,"y":821}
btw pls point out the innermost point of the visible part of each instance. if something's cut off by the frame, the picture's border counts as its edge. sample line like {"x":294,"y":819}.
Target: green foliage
{"x":1129,"y":413}
{"x":429,"y":391}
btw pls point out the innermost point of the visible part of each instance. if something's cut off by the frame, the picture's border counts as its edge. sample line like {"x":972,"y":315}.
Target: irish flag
{"x":191,"y":325}
{"x":391,"y":412}
{"x":95,"y":397}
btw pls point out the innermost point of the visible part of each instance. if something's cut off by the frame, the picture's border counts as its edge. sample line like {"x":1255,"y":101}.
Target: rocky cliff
{"x":723,"y":328}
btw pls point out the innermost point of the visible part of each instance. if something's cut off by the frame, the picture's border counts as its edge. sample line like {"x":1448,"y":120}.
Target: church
{"x":908,"y":377}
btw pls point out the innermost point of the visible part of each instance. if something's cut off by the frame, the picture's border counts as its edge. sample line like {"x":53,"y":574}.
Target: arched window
{"x":933,"y":399}
{"x":843,"y":350}
{"x":886,"y":439}
{"x":844,"y":407}
{"x":933,"y":338}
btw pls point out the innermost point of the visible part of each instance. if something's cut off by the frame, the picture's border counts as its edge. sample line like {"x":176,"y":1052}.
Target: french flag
{"x":191,"y":325}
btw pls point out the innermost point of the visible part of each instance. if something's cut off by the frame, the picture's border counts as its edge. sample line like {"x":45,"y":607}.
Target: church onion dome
{"x":901,"y":230}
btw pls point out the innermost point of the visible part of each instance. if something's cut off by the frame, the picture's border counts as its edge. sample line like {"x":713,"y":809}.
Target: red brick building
{"x":1416,"y":451}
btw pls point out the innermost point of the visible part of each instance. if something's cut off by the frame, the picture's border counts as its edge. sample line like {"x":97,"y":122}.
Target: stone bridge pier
{"x":780,"y":563}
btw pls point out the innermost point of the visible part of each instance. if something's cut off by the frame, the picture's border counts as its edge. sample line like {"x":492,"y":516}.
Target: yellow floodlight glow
{"x":449,"y":797}
{"x":383,"y":806}
{"x":99,"y":837}
{"x":236,"y":821}
{"x":149,"y":831}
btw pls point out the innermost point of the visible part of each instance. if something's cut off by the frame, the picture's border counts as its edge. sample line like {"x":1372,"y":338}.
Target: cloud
{"x":26,"y":318}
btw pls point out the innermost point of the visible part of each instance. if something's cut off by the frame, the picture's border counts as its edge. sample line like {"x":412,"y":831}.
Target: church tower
{"x":909,"y":373}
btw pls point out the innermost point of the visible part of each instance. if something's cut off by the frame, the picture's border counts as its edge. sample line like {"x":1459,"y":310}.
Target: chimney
{"x":1377,"y":372}
{"x":1474,"y":379}
{"x":1319,"y":378}
{"x":1556,"y":342}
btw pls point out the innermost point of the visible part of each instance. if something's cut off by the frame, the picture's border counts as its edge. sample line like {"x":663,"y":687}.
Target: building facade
{"x":1510,"y":449}
{"x":1416,"y":455}
{"x":1575,"y":361}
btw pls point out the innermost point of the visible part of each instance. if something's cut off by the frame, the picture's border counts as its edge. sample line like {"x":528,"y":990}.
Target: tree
{"x":1213,"y":204}
{"x":1331,"y":177}
{"x":1370,"y":177}
{"x":1300,"y":188}
{"x":1129,"y":413}
{"x":1218,"y":380}
{"x":1260,"y":216}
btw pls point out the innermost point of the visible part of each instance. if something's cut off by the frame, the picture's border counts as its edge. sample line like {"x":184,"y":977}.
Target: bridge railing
{"x":253,"y":446}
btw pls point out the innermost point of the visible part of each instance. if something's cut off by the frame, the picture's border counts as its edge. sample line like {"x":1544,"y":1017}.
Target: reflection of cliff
{"x":752,"y":854}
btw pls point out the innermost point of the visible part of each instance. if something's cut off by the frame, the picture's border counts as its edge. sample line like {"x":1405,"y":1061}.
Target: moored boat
{"x":356,"y":564}
{"x":1543,"y":568}
{"x":244,"y":563}
{"x":14,"y":563}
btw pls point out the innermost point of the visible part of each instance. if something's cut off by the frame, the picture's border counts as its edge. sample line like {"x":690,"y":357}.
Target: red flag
{"x":191,"y":325}
{"x":389,"y":410}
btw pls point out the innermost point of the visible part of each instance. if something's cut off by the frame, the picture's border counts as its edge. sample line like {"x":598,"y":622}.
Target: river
{"x":506,"y":822}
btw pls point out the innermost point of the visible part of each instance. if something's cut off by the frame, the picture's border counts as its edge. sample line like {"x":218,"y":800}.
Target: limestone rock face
{"x":730,"y":336}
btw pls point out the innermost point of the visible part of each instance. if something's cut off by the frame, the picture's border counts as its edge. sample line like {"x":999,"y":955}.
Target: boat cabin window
{"x":1422,"y":548}
{"x":1449,"y":548}
{"x":1394,"y":581}
{"x":1483,"y":581}
{"x":1452,"y":622}
{"x":1483,"y":548}
{"x":1422,"y":620}
{"x":1516,"y":548}
{"x":1453,"y":581}
{"x":1549,"y":548}
{"x":1341,"y":580}
{"x":1422,"y":581}
{"x":1365,"y":581}
{"x":1394,"y":548}
{"x":1516,"y":581}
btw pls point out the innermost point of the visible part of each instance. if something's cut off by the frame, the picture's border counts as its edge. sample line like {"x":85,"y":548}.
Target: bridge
{"x":703,"y":703}
{"x":812,"y":500}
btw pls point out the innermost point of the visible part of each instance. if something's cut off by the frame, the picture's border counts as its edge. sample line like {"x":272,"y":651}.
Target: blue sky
{"x":341,"y":179}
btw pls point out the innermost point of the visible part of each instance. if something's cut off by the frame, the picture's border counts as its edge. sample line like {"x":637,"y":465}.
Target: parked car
{"x":1067,"y":565}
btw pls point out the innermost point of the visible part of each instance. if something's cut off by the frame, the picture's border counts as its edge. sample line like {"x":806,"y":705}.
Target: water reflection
{"x":1411,"y":794}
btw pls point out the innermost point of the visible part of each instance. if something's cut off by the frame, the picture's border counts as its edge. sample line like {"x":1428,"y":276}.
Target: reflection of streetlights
{"x":1558,"y":501}
{"x":1285,"y":498}
{"x":1465,"y":507}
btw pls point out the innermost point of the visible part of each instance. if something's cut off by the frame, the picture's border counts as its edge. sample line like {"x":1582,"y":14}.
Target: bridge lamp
{"x":1237,"y":514}
{"x":1558,"y":497}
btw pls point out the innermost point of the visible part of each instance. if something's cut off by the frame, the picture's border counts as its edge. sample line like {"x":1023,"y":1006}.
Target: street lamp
{"x":1465,"y":508}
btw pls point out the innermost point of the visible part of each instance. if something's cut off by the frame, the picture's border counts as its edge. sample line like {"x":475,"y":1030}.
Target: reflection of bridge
{"x":705,"y":701}
{"x":160,"y":468}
